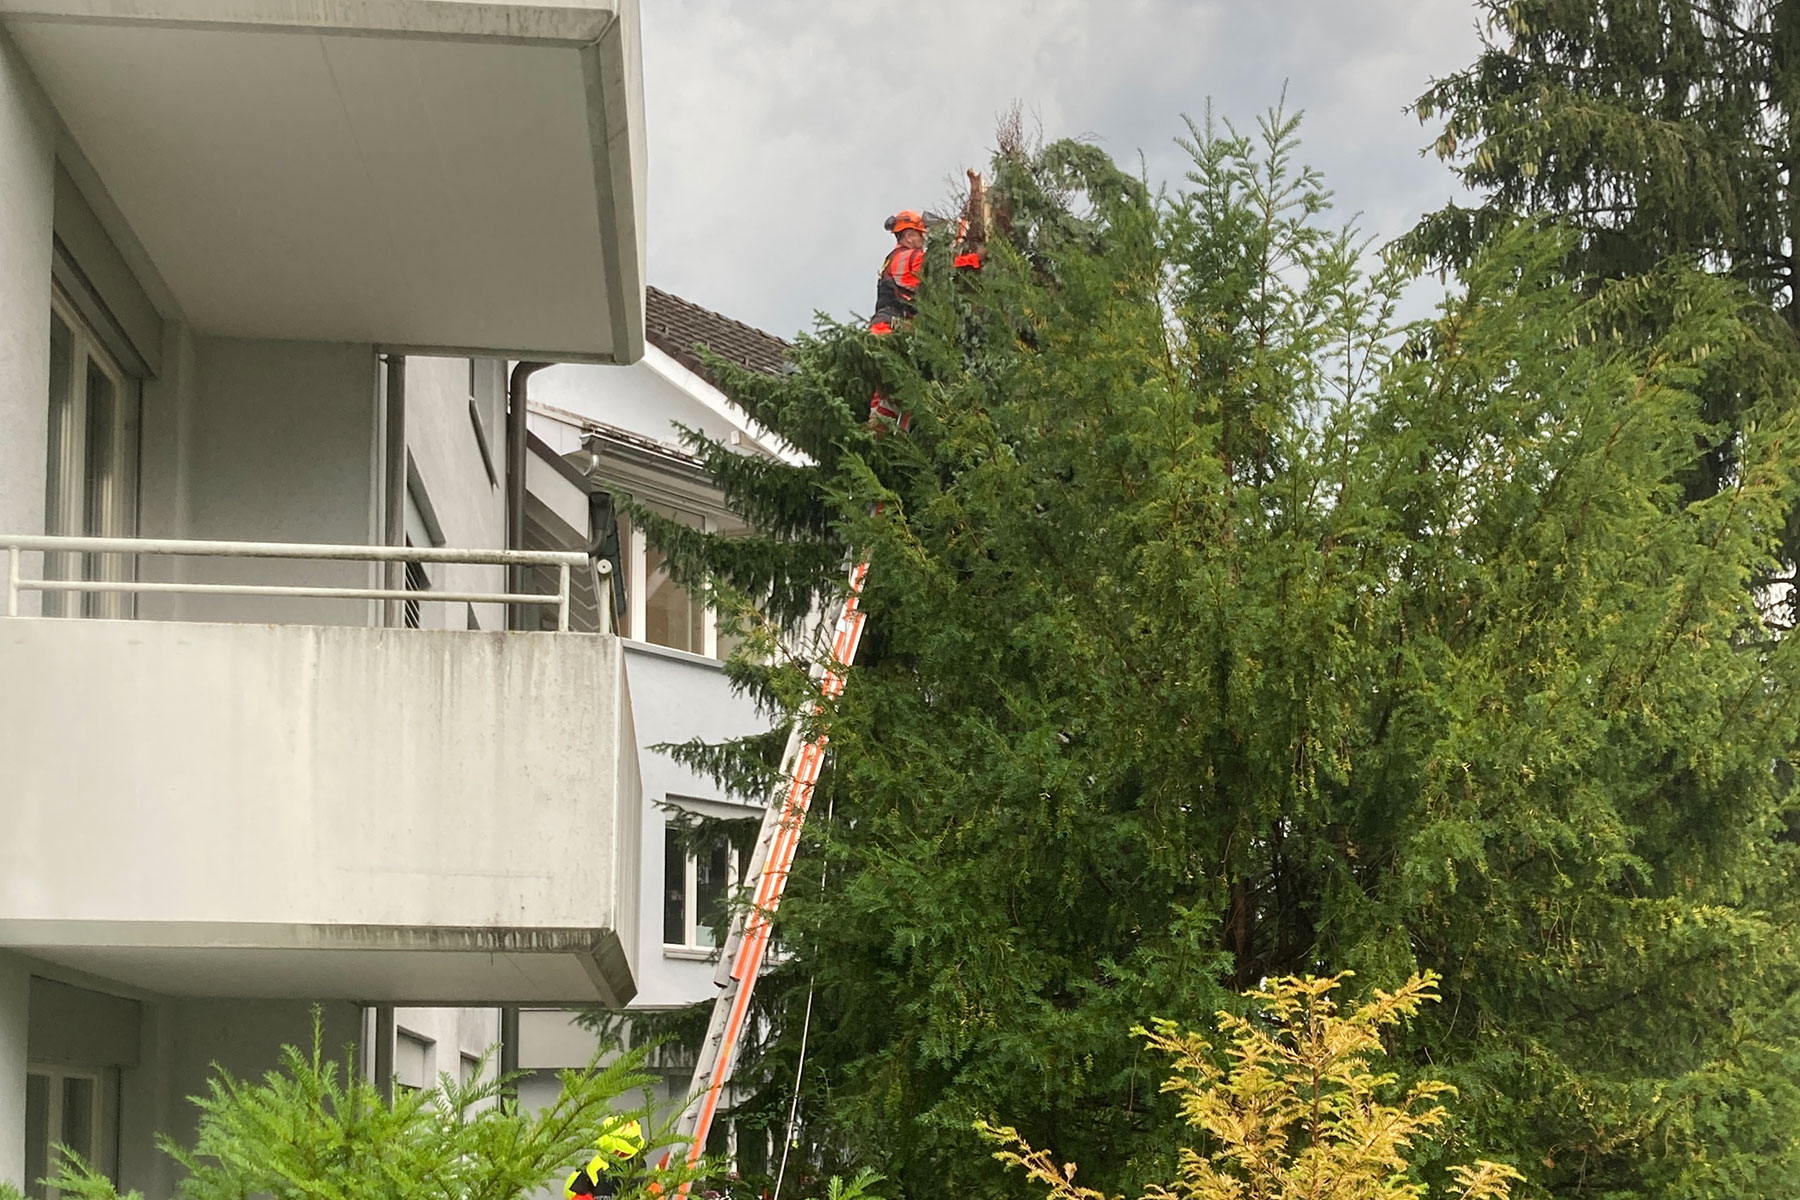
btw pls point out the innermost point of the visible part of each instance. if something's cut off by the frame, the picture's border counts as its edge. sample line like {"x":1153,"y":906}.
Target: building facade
{"x":622,"y":427}
{"x":263,"y":267}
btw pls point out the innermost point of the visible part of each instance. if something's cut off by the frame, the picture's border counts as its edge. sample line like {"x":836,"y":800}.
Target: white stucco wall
{"x":451,"y":1034}
{"x":446,"y":460}
{"x":676,"y":697}
{"x":15,"y":1009}
{"x":634,"y":398}
{"x":27,"y":148}
{"x":165,"y":444}
{"x":280,"y":443}
{"x":183,"y":1041}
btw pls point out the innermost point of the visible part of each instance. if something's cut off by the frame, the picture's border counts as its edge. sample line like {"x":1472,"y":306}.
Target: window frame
{"x":101,"y":1151}
{"x":736,"y":868}
{"x":71,"y":506}
{"x":635,"y":547}
{"x":426,"y":1050}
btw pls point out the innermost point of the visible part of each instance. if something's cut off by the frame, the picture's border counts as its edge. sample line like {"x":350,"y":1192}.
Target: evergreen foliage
{"x":1220,"y":629}
{"x":1286,"y":1107}
{"x":1656,"y":131}
{"x":317,"y":1129}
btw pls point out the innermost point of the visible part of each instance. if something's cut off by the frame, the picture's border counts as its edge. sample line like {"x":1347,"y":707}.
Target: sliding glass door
{"x":91,"y":488}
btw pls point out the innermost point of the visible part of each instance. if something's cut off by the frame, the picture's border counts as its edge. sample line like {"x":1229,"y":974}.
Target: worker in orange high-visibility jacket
{"x":898,"y":282}
{"x":898,"y":285}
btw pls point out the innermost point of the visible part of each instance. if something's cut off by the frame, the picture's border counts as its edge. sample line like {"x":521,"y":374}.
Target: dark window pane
{"x":709,"y":891}
{"x":671,"y":617}
{"x":102,"y":415}
{"x":78,"y":1115}
{"x":37,"y":1133}
{"x":674,"y":890}
{"x":59,"y":517}
{"x":99,"y":483}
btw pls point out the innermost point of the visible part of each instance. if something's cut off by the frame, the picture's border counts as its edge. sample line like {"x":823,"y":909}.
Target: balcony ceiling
{"x":424,"y":174}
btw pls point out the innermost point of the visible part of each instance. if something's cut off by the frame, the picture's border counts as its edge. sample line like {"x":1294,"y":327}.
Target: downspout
{"x":384,"y":1051}
{"x":509,"y":1051}
{"x":515,"y":483}
{"x":516,"y":449}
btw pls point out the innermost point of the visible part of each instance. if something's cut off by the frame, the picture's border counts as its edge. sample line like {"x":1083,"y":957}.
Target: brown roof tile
{"x":675,"y":326}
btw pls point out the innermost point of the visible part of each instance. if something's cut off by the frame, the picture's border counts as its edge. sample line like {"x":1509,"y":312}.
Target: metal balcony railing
{"x":55,"y":548}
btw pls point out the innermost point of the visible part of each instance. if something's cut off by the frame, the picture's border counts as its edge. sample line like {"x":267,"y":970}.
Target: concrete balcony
{"x":332,"y":812}
{"x":345,"y":172}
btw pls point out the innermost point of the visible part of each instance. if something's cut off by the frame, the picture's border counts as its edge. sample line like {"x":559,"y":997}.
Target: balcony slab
{"x":328,"y":812}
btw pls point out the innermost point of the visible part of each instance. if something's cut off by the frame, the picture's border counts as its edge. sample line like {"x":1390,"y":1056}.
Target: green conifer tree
{"x":1221,"y":629}
{"x":1655,"y":130}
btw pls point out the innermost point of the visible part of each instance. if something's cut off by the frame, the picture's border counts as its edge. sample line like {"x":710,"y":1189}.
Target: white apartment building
{"x":621,"y":426}
{"x":607,"y":429}
{"x":263,"y":264}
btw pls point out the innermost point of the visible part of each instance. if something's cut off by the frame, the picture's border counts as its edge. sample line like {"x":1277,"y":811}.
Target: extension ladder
{"x":741,"y":959}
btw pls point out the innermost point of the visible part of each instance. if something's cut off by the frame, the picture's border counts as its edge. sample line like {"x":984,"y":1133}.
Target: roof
{"x":675,"y":326}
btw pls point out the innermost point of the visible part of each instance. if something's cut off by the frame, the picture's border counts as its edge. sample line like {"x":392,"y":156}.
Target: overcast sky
{"x":782,"y":133}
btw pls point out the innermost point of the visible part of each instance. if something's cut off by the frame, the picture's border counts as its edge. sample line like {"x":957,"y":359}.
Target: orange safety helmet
{"x":903,"y":220}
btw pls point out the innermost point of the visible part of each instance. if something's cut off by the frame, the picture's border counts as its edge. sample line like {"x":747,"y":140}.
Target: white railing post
{"x":12,"y":581}
{"x":603,"y":592}
{"x":562,"y":598}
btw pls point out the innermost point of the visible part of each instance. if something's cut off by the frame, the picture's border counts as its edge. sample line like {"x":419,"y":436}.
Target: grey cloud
{"x":781,"y":134}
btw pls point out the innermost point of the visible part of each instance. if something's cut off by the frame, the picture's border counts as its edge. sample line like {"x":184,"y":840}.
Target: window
{"x":672,"y":617}
{"x":416,"y":581}
{"x":658,"y":609}
{"x":62,"y":1107}
{"x":695,"y":887}
{"x":662,"y":612}
{"x":414,"y":1069}
{"x":471,"y":1070}
{"x":91,"y":484}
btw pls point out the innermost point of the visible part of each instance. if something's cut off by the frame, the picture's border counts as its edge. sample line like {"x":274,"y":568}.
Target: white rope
{"x":787,"y":1139}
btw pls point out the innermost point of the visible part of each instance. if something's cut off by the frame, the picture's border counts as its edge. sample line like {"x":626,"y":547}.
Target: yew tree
{"x":1222,"y":627}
